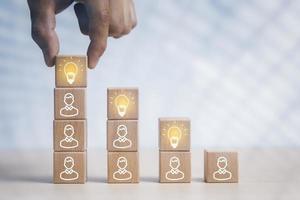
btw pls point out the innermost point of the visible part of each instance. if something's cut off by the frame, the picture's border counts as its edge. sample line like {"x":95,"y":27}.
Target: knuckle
{"x":116,"y":30}
{"x":38,"y":32}
{"x":126,"y":30}
{"x":104,"y":16}
{"x":101,"y":48}
{"x":134,"y":23}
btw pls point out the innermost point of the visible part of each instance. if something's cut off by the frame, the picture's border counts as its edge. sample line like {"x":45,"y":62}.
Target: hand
{"x":97,"y":18}
{"x":100,"y":18}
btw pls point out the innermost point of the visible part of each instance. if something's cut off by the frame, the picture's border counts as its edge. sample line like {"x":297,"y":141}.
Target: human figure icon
{"x":68,"y":142}
{"x":174,"y":174}
{"x":69,"y":110}
{"x":122,"y":174}
{"x":69,"y":174}
{"x":122,"y":142}
{"x":222,"y":174}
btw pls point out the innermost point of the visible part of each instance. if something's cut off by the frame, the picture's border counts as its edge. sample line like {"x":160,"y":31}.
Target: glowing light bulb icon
{"x":70,"y":70}
{"x":174,"y":135}
{"x":121,"y":103}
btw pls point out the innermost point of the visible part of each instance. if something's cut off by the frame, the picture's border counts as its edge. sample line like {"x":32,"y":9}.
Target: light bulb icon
{"x":174,"y":135}
{"x":70,"y":70}
{"x":121,"y":103}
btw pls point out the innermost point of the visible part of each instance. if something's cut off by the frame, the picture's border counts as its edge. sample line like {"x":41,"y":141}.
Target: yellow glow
{"x":121,"y":102}
{"x":174,"y":135}
{"x":70,"y":70}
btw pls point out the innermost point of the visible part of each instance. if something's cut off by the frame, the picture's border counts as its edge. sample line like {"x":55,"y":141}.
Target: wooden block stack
{"x":220,"y":166}
{"x":174,"y":150}
{"x":69,"y":125}
{"x":122,"y":135}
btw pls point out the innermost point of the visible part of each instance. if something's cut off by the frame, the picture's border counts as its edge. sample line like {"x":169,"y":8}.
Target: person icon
{"x":174,"y":174}
{"x":222,"y":174}
{"x":122,"y":142}
{"x":122,"y":174}
{"x":69,"y":110}
{"x":69,"y":174}
{"x":68,"y":142}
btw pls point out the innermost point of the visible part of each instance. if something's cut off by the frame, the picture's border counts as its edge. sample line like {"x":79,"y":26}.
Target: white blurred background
{"x":232,"y":67}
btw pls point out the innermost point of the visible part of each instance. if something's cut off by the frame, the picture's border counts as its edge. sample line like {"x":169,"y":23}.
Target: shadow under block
{"x":174,"y":134}
{"x":220,"y":167}
{"x":71,"y":71}
{"x":122,"y":103}
{"x":69,"y":167}
{"x":123,"y":167}
{"x":122,"y":135}
{"x":174,"y":167}
{"x":69,"y":103}
{"x":69,"y":135}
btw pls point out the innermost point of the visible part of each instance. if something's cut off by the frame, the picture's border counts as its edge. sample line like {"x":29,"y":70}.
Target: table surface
{"x":264,"y":174}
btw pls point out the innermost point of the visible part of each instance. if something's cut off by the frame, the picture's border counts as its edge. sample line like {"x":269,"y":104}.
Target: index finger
{"x":98,"y":13}
{"x":42,"y":28}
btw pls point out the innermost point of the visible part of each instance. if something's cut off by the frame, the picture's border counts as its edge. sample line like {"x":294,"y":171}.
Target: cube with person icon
{"x":122,"y":135}
{"x":123,"y":167}
{"x":69,"y":167}
{"x":69,"y":103}
{"x":70,"y":71}
{"x":122,"y":103}
{"x":220,"y":166}
{"x":174,"y":134}
{"x":174,"y":167}
{"x":69,"y":135}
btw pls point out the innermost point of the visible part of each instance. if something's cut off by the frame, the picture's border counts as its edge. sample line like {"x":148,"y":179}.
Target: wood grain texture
{"x":174,"y":134}
{"x":174,"y":167}
{"x":69,"y":167}
{"x":69,"y":103}
{"x":221,"y":167}
{"x":71,"y":71}
{"x":69,"y":135}
{"x":123,"y":167}
{"x":122,"y":135}
{"x":122,"y":103}
{"x":265,"y":174}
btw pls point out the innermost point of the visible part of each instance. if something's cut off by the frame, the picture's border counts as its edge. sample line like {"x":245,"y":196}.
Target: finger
{"x":42,"y":29}
{"x":82,"y":17}
{"x":98,"y":13}
{"x":127,"y":18}
{"x":119,"y":18}
{"x":133,"y":15}
{"x":60,"y":5}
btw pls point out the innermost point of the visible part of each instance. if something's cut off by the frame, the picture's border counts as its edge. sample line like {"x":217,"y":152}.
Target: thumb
{"x":82,"y":17}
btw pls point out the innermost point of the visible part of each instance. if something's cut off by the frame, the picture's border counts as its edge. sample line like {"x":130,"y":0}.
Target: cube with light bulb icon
{"x":174,"y":134}
{"x":70,"y":71}
{"x":122,"y":103}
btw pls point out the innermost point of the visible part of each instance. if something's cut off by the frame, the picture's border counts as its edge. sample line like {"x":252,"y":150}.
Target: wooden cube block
{"x":220,"y":167}
{"x":70,"y":71}
{"x":122,"y":135}
{"x":69,"y":135}
{"x":123,"y":167}
{"x":174,"y":134}
{"x":122,"y":103}
{"x":69,"y":167}
{"x":174,"y":167}
{"x":69,"y":103}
